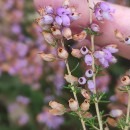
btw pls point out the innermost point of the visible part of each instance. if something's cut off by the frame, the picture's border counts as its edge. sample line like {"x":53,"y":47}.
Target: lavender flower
{"x":91,"y":85}
{"x":53,"y":122}
{"x":88,"y":59}
{"x":103,"y":11}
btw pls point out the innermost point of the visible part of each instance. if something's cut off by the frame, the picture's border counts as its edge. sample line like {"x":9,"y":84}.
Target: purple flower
{"x":58,"y":20}
{"x":104,"y":62}
{"x":112,"y":48}
{"x":108,"y":55}
{"x":65,"y":20}
{"x":49,"y":10}
{"x":53,"y":122}
{"x":47,"y":19}
{"x":95,"y":27}
{"x":103,"y":11}
{"x":23,"y":100}
{"x":88,"y":59}
{"x":89,"y":73}
{"x":22,"y":49}
{"x":82,"y":80}
{"x":23,"y":120}
{"x":99,"y":54}
{"x":63,"y":11}
{"x":91,"y":85}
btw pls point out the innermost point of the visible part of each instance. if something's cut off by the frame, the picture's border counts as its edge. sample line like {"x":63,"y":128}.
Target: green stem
{"x":94,"y":76}
{"x":75,"y":95}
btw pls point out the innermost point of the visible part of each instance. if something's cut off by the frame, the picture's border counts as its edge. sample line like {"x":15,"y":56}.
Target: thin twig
{"x":94,"y":76}
{"x":74,"y":93}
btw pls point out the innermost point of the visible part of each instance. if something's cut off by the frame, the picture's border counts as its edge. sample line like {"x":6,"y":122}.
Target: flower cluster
{"x":56,"y":23}
{"x":103,"y":11}
{"x":104,"y":56}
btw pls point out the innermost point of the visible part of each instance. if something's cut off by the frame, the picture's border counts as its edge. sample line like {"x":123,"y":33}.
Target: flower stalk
{"x":93,"y":68}
{"x":74,"y":93}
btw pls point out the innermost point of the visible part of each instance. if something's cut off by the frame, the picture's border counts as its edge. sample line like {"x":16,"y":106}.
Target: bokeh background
{"x":27,"y":83}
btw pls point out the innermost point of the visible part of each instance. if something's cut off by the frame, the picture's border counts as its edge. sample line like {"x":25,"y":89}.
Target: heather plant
{"x":56,"y":30}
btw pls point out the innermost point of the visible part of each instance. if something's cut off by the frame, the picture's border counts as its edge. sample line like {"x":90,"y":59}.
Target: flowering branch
{"x":93,"y":68}
{"x":74,"y":93}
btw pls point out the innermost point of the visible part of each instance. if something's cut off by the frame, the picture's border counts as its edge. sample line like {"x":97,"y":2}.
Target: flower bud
{"x":82,"y":80}
{"x":119,"y":35}
{"x":49,"y":10}
{"x":84,"y":50}
{"x":116,"y":113}
{"x":125,"y":80}
{"x":89,"y":73}
{"x":113,"y":60}
{"x":88,"y":60}
{"x":62,"y":53}
{"x":56,"y":105}
{"x":80,"y":37}
{"x":112,"y":48}
{"x":127,"y":40}
{"x":48,"y":57}
{"x":76,"y":53}
{"x":73,"y":105}
{"x":56,"y":112}
{"x":85,"y":94}
{"x":71,"y":79}
{"x":91,"y":85}
{"x":111,"y":122}
{"x":47,"y":19}
{"x":95,"y":27}
{"x":74,"y":16}
{"x":41,"y":11}
{"x":67,"y":33}
{"x":48,"y":37}
{"x":85,"y":105}
{"x":56,"y":32}
{"x":99,"y":54}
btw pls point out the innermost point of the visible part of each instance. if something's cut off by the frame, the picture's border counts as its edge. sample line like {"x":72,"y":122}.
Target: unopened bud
{"x":116,"y":113}
{"x":76,"y":53}
{"x":73,"y":105}
{"x":56,"y":112}
{"x":85,"y":94}
{"x":67,"y":33}
{"x":71,"y":79}
{"x":48,"y":57}
{"x":48,"y":37}
{"x":125,"y":80}
{"x":111,"y":122}
{"x":85,"y":105}
{"x":47,"y":19}
{"x":56,"y":105}
{"x":112,"y":48}
{"x":119,"y":35}
{"x":62,"y":53}
{"x":80,"y":37}
{"x":56,"y":32}
{"x":41,"y":11}
{"x":95,"y":27}
{"x":49,"y":9}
